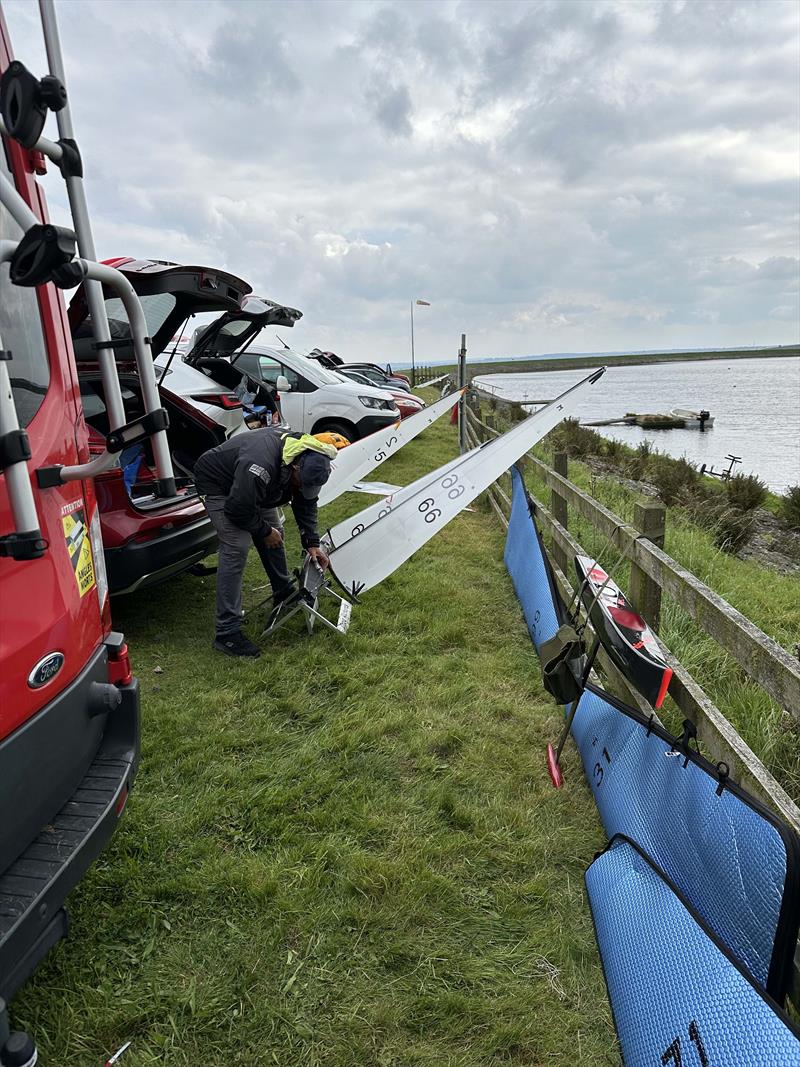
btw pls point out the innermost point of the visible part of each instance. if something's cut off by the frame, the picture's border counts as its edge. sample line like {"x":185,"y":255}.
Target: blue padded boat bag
{"x":530,"y":570}
{"x":735,"y":861}
{"x":678,"y":996}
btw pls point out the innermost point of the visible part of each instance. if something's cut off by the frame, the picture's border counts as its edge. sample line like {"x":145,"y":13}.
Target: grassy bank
{"x":347,"y":852}
{"x":531,"y":366}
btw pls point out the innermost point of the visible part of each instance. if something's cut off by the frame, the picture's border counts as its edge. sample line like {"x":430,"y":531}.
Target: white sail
{"x":375,"y":552}
{"x":357,"y":523}
{"x":358,"y":459}
{"x":382,"y":489}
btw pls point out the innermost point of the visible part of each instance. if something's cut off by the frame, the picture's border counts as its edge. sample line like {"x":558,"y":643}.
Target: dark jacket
{"x":247,"y":469}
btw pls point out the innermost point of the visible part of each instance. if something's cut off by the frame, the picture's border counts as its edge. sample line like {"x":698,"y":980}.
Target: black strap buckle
{"x":14,"y":448}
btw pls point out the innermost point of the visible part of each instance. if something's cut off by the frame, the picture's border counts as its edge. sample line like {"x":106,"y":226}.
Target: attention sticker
{"x":76,"y":537}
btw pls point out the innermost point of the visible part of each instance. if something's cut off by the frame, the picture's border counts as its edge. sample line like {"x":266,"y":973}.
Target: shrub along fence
{"x":653,"y":572}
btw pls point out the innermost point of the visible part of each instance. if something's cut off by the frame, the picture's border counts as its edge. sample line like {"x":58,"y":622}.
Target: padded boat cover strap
{"x":736,"y":861}
{"x":679,"y":999}
{"x":530,"y":570}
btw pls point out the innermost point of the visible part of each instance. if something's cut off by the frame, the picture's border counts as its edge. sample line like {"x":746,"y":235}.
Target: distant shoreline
{"x":532,"y":366}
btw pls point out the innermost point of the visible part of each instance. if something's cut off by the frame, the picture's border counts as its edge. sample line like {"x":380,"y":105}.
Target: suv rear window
{"x":21,"y":328}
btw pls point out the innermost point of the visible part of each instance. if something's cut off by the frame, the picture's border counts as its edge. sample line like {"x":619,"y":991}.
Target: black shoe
{"x":236,"y":644}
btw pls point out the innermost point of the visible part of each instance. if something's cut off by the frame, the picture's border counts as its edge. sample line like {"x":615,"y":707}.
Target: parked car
{"x":146,"y":537}
{"x":312,"y":398}
{"x":407,"y":403}
{"x":378,"y":376}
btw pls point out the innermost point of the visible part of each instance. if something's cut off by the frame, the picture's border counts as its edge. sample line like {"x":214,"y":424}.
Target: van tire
{"x":346,"y":429}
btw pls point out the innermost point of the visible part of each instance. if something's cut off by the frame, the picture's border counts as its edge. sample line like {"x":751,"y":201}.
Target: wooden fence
{"x":653,"y":572}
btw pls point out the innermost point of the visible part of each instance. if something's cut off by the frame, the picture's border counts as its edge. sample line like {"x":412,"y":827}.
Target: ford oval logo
{"x":46,"y":670}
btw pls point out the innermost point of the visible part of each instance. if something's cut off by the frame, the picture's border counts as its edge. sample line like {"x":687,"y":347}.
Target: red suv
{"x":148,"y":538}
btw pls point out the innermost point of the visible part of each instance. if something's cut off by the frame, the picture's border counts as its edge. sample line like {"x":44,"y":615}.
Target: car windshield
{"x":354,"y":376}
{"x":329,"y":377}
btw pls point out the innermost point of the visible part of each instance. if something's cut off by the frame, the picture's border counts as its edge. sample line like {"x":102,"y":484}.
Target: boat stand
{"x":313,"y":586}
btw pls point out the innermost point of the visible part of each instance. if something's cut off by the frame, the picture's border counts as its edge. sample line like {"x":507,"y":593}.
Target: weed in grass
{"x":574,"y":439}
{"x":613,"y":449}
{"x":672,"y":477}
{"x":745,"y":491}
{"x":789,"y":509}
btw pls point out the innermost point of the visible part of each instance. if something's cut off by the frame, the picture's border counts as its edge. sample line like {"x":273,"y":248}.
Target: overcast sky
{"x":551,"y":176}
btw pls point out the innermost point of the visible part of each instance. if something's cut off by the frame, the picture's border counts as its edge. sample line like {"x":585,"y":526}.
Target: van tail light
{"x":119,"y":660}
{"x":229,"y":401}
{"x":122,"y":800}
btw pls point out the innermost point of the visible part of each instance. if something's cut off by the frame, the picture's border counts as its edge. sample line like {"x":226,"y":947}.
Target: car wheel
{"x":342,"y":428}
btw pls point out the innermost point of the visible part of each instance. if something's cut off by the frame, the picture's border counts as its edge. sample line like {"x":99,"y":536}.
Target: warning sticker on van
{"x":79,"y":548}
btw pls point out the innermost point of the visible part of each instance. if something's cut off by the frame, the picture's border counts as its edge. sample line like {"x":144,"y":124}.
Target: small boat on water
{"x":692,"y":420}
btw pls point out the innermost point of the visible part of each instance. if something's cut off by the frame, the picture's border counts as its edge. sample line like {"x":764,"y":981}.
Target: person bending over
{"x":244,"y":482}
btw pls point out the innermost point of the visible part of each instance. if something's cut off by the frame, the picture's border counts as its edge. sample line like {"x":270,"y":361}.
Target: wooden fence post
{"x":650,"y":519}
{"x":558,"y":506}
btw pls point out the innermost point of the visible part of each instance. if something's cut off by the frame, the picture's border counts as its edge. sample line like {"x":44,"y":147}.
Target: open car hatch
{"x":230,"y":334}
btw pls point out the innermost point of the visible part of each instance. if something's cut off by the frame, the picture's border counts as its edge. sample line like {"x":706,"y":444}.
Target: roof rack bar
{"x":16,"y":206}
{"x":51,"y":149}
{"x":16,"y":473}
{"x":83,"y":228}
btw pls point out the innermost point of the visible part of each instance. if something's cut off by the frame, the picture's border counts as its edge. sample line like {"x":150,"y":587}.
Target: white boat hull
{"x":691,"y":419}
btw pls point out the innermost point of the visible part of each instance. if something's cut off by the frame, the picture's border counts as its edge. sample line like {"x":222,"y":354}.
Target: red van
{"x":69,"y":705}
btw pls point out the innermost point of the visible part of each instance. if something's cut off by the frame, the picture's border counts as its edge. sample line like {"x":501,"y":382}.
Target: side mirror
{"x":282,"y":384}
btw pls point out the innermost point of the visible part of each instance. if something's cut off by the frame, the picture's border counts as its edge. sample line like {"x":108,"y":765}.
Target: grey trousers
{"x":234,"y":546}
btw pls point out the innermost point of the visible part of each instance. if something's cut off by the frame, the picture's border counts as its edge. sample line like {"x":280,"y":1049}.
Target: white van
{"x":313,"y":398}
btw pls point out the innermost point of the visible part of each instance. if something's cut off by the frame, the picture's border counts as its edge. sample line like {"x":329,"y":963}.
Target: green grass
{"x":347,"y":852}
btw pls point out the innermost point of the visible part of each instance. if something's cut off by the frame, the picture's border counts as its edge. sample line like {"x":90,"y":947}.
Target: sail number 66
{"x":428,"y":510}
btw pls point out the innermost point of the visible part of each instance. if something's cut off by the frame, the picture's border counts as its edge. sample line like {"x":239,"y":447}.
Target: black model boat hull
{"x":623,"y":633}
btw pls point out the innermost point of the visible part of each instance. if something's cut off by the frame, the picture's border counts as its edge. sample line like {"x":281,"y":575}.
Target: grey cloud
{"x":247,"y":60}
{"x":391,"y":106}
{"x":549,"y":175}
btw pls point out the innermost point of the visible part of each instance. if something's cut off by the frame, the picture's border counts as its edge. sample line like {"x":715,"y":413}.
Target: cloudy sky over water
{"x":551,"y":176}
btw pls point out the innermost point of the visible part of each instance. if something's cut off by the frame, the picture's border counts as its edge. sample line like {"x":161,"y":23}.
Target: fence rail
{"x":761,"y":658}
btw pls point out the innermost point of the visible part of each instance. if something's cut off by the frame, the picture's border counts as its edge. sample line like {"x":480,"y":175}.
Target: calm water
{"x":755,"y":404}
